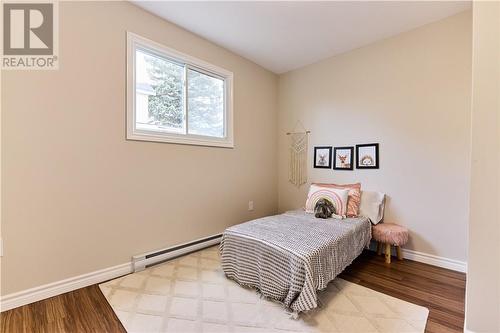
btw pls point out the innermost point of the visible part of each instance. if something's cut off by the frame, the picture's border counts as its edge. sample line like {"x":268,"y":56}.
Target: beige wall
{"x":410,"y":93}
{"x":483,"y":275}
{"x":78,"y":197}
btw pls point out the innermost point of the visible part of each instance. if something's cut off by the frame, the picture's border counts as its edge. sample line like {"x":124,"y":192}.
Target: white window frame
{"x":135,"y":42}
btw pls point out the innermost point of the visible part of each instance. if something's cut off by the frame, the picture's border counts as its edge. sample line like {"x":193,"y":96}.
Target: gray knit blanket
{"x":289,"y":257}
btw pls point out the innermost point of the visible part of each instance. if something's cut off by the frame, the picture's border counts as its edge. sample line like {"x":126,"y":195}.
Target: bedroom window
{"x":176,"y":98}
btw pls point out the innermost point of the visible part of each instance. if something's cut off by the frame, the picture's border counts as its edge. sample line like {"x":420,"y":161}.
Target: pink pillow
{"x":354,"y":196}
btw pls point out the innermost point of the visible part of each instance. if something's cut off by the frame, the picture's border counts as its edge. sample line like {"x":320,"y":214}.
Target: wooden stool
{"x":390,"y":234}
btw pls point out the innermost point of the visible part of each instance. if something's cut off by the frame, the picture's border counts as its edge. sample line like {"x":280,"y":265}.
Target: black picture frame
{"x":351,"y":160}
{"x":375,"y":159}
{"x":318,"y":164}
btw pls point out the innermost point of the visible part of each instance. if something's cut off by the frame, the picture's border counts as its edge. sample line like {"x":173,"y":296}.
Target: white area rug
{"x":192,"y":294}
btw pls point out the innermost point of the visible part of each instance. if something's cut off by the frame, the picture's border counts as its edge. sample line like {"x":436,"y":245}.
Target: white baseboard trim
{"x":456,"y":265}
{"x":430,"y":259}
{"x":28,"y":296}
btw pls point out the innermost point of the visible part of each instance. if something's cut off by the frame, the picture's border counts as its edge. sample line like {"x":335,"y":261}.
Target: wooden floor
{"x":86,"y":310}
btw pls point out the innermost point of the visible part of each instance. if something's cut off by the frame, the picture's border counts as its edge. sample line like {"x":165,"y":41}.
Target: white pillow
{"x":338,"y":197}
{"x":372,"y":205}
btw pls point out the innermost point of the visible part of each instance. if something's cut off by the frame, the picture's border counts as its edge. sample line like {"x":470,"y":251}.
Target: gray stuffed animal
{"x":324,"y":209}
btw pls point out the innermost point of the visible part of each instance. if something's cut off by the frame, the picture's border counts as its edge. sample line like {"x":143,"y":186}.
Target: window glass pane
{"x":205,"y":104}
{"x":159,"y":94}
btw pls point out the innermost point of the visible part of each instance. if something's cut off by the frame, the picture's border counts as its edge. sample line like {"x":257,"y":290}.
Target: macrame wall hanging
{"x":297,"y":172}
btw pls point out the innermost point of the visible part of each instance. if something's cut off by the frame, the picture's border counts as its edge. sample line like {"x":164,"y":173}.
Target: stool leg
{"x":379,"y":248}
{"x":400,"y":254}
{"x":388,"y":253}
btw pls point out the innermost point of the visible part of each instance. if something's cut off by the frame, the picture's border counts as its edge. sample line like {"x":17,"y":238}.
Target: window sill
{"x":182,"y":139}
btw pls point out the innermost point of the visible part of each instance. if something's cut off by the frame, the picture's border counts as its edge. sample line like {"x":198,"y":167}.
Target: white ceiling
{"x":282,"y":36}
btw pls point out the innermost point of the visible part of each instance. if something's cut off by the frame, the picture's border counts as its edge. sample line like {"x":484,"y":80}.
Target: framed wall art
{"x":343,"y":158}
{"x":367,"y":156}
{"x":323,"y":157}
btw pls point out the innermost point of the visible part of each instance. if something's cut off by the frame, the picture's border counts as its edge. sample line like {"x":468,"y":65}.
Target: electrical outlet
{"x":250,"y":205}
{"x":1,"y":247}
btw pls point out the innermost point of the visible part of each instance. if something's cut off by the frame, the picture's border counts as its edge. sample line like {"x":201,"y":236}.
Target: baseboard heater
{"x":142,"y":261}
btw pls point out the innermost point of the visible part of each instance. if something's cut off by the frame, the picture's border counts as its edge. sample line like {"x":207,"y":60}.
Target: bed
{"x":289,"y":257}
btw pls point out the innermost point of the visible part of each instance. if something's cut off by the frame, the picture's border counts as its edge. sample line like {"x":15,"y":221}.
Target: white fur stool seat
{"x":390,"y":234}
